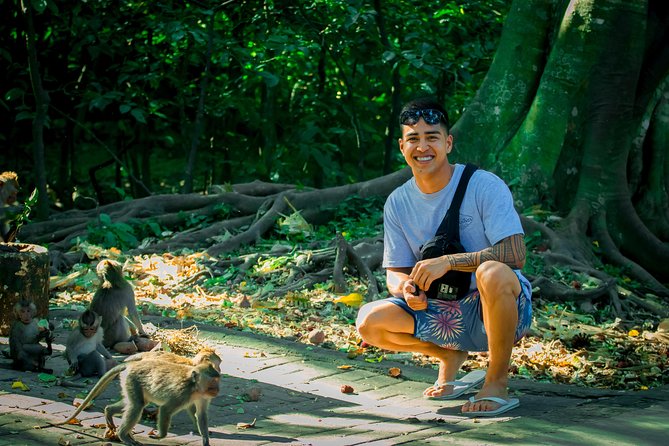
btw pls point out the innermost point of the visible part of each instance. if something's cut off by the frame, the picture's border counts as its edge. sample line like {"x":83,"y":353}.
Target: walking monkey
{"x":171,"y":386}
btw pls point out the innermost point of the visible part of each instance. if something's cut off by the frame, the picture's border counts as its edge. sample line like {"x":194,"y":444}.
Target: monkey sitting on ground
{"x":171,"y":386}
{"x":84,"y":350}
{"x":111,"y":301}
{"x":25,"y":336}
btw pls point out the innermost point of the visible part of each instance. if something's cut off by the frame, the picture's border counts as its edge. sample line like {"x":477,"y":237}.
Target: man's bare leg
{"x":499,"y":288}
{"x":387,"y":326}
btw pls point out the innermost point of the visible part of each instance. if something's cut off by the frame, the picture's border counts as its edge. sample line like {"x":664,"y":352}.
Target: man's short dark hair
{"x":426,"y":103}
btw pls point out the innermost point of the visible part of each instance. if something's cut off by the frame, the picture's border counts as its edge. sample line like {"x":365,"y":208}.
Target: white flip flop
{"x":505,"y":406}
{"x":460,"y":386}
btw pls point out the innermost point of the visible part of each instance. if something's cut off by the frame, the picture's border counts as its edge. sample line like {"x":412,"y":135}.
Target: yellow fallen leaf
{"x":352,"y":300}
{"x":633,"y":333}
{"x":20,"y":385}
{"x":345,"y":367}
{"x":184,"y":313}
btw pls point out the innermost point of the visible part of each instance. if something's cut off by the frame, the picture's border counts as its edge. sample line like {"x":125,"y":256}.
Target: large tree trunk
{"x":556,"y":117}
{"x":41,"y":113}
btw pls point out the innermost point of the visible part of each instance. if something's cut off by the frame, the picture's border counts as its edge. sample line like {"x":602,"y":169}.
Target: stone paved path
{"x":301,"y":403}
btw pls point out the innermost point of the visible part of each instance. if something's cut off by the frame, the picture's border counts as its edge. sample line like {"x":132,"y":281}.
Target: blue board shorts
{"x":458,"y":325}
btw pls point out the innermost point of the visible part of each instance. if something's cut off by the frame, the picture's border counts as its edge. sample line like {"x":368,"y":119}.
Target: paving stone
{"x":301,"y":404}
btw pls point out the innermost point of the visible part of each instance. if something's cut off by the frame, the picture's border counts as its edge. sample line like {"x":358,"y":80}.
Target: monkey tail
{"x":96,"y":390}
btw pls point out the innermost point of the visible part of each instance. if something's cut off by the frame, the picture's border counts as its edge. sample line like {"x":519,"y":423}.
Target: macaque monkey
{"x":9,"y":187}
{"x":205,"y":355}
{"x":84,"y":349}
{"x":111,"y":301}
{"x":171,"y":386}
{"x":25,"y":336}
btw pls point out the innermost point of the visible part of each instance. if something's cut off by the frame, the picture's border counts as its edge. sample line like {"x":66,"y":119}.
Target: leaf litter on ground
{"x":564,"y":345}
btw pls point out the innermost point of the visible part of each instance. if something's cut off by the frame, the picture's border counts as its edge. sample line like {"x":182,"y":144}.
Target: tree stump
{"x":24,"y":272}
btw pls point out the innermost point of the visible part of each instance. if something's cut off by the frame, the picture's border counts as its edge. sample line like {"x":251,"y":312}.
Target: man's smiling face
{"x":425,"y":148}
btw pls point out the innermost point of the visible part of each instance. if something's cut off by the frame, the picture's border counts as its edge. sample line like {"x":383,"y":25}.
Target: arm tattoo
{"x":510,"y":251}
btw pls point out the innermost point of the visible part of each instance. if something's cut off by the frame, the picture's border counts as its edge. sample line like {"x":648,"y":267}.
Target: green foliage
{"x":294,"y":227}
{"x":621,"y":275}
{"x":297,"y":93}
{"x":222,"y":279}
{"x":108,"y":234}
{"x":22,"y":217}
{"x":356,"y":218}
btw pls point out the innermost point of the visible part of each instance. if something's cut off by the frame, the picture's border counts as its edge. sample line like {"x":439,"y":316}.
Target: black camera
{"x":453,"y":285}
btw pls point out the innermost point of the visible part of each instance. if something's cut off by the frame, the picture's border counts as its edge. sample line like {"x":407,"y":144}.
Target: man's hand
{"x":427,"y":271}
{"x":414,"y":297}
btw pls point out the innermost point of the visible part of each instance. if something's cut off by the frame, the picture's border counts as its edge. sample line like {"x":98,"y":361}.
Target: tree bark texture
{"x":24,"y":273}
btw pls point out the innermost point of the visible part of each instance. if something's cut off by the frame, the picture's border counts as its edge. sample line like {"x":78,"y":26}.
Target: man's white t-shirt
{"x":411,"y":217}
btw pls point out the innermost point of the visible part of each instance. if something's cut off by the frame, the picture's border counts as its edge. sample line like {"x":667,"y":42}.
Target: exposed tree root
{"x":338,"y":268}
{"x":613,"y":255}
{"x":253,"y":210}
{"x":305,"y":282}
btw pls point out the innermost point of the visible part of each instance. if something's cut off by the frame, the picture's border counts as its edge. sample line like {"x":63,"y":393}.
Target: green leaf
{"x":388,"y":56}
{"x":24,"y":115}
{"x":138,"y":115}
{"x":38,"y":5}
{"x":14,"y":93}
{"x":105,"y":219}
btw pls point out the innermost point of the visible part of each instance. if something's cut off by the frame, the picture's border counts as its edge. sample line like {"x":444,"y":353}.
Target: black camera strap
{"x":450,"y":225}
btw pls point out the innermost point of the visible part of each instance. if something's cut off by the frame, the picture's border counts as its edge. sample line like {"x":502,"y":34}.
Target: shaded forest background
{"x":166,"y":97}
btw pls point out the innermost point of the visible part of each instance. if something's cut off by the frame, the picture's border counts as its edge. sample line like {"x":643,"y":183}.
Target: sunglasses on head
{"x":431,"y":116}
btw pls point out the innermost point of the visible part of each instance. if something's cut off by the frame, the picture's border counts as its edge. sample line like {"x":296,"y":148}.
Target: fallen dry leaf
{"x":20,"y":385}
{"x":345,"y":388}
{"x":352,"y":300}
{"x":111,"y":435}
{"x":395,"y":372}
{"x":316,"y":336}
{"x":246,"y":425}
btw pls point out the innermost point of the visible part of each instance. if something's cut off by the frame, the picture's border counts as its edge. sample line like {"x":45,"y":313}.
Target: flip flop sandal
{"x":505,"y":406}
{"x":460,"y":386}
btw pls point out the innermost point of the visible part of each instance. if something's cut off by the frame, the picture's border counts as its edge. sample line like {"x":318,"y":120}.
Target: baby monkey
{"x":25,"y":338}
{"x":171,"y":386}
{"x":84,"y":350}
